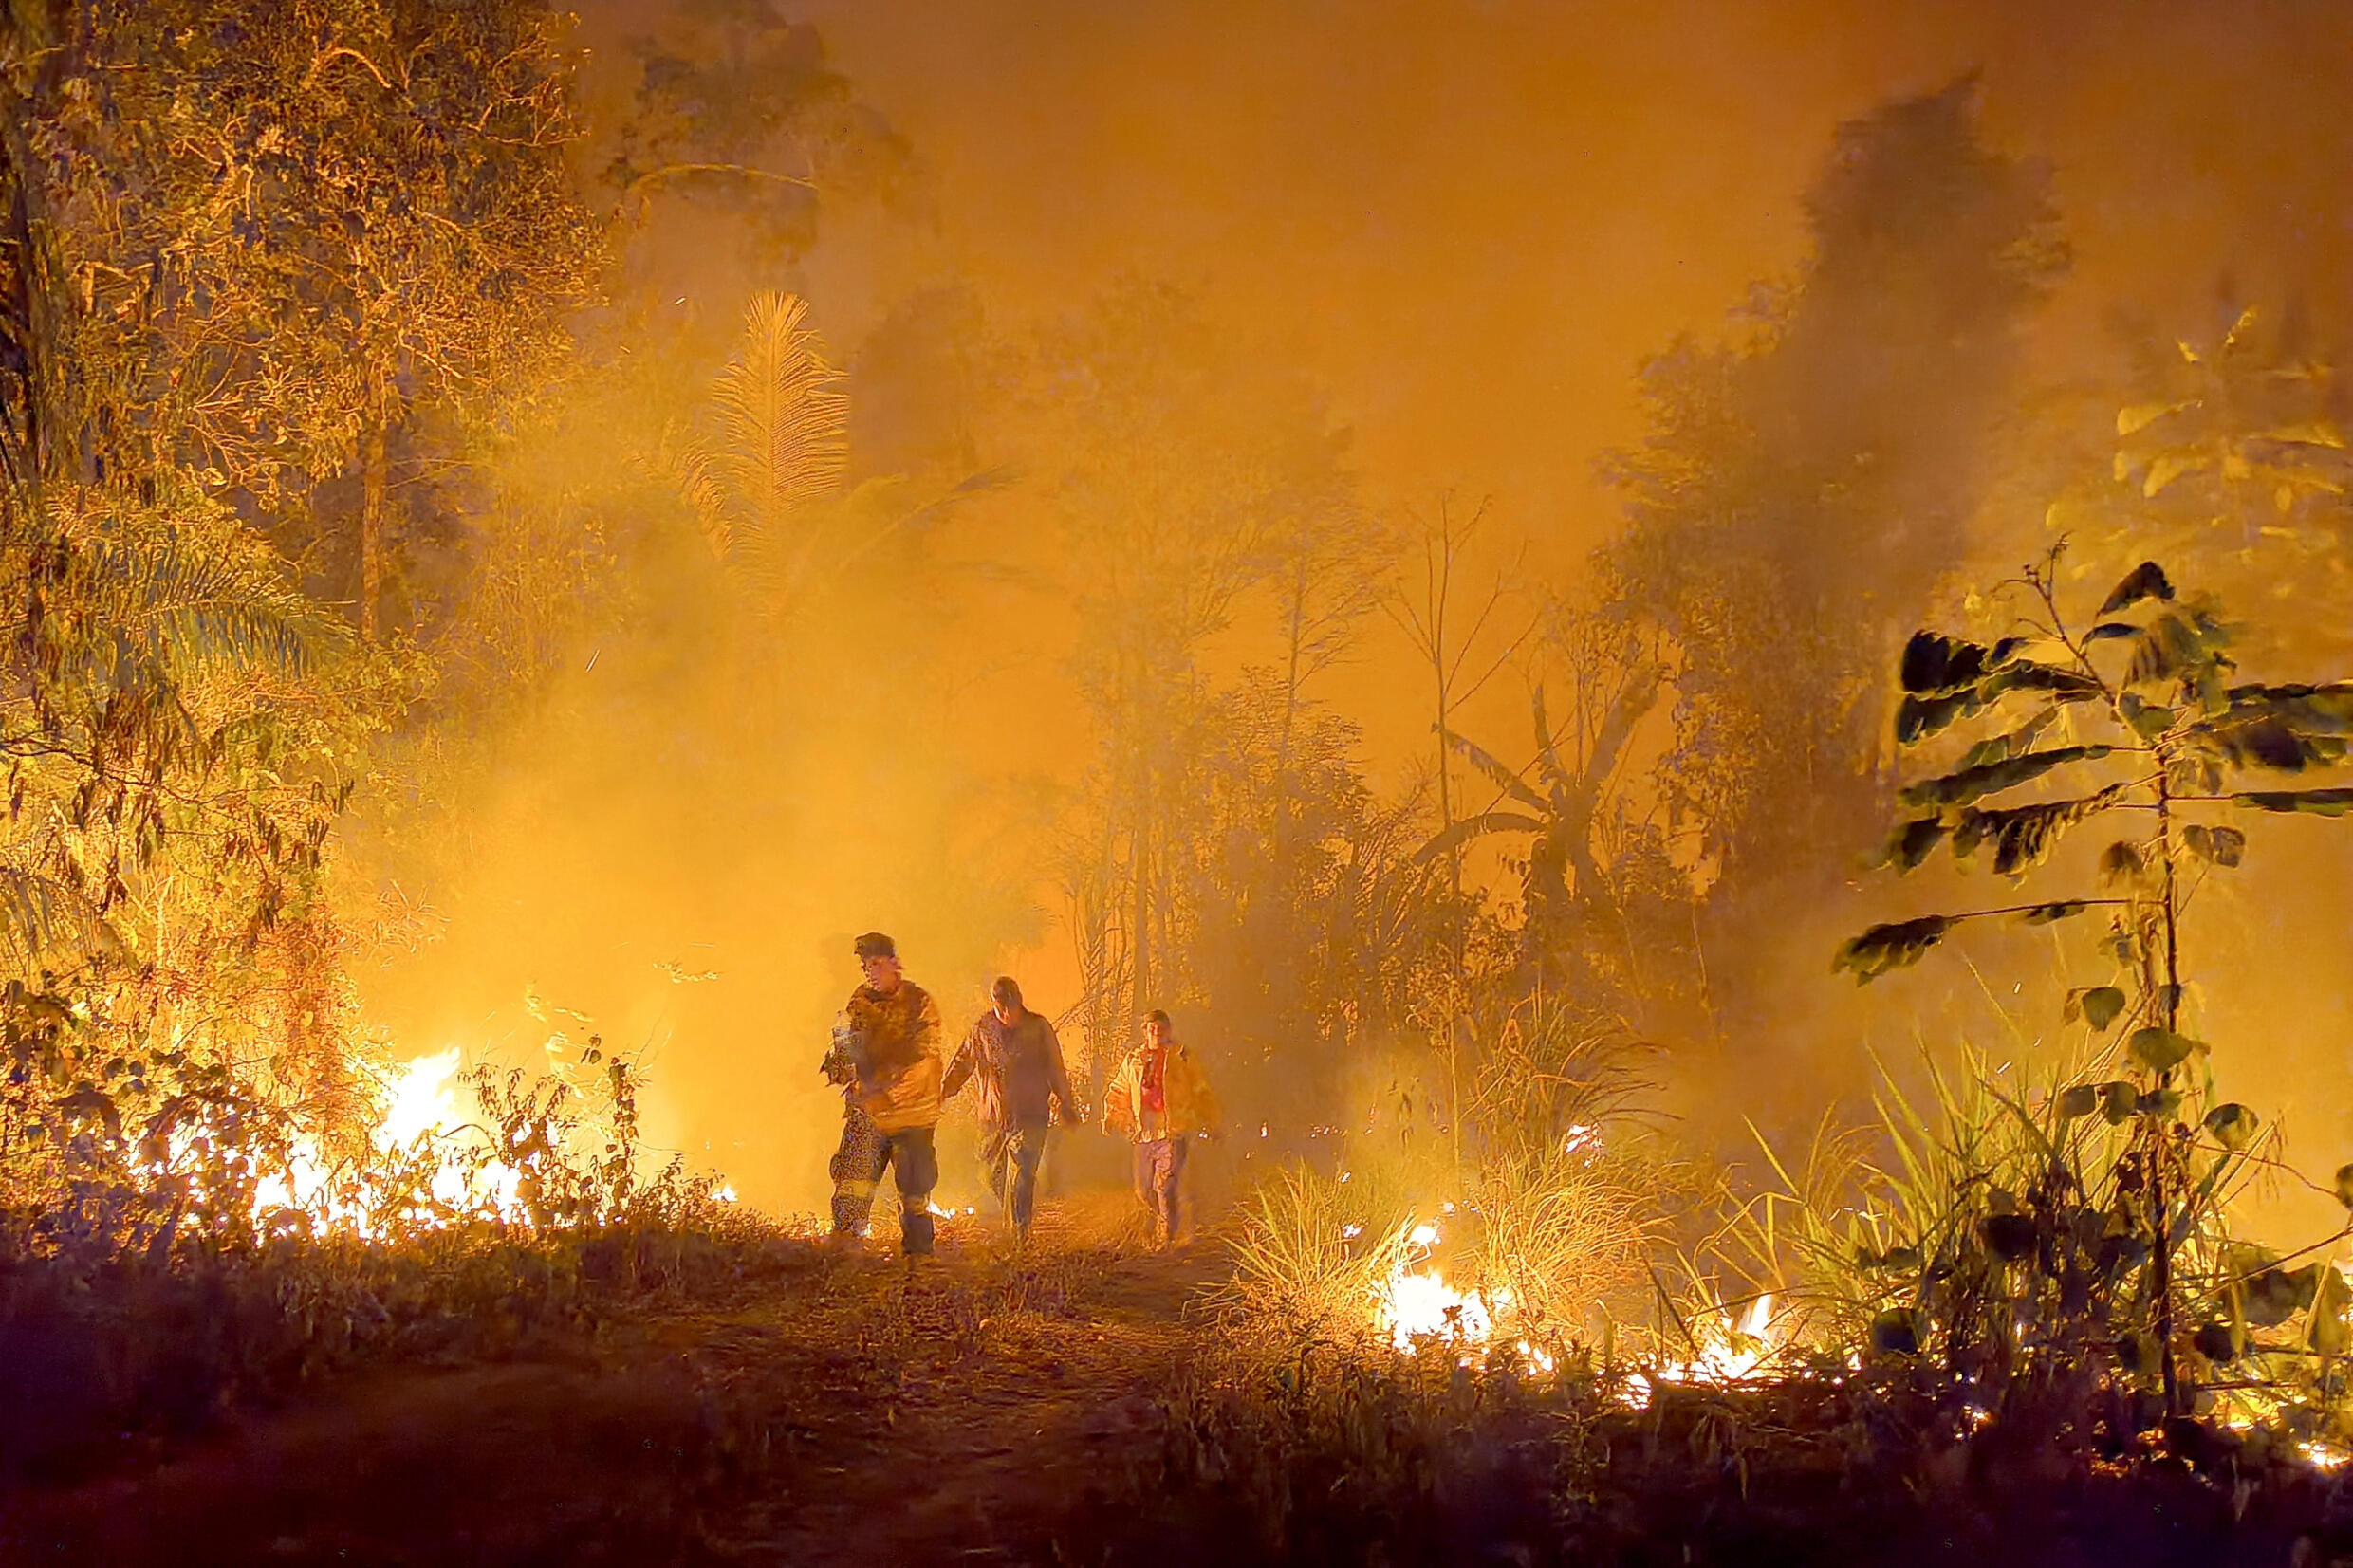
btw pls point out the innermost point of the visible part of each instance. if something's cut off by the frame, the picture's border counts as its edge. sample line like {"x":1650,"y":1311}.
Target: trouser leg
{"x":1173,"y":1188}
{"x":1165,"y":1161}
{"x":915,"y":1165}
{"x":996,"y":1147}
{"x":857,"y":1168}
{"x":1028,"y":1147}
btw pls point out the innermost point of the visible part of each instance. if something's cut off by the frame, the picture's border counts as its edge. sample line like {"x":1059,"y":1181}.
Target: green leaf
{"x":2063,"y":685}
{"x":1890,"y":947}
{"x":2011,"y":1237}
{"x":2309,"y":710}
{"x":2345,"y":1185}
{"x":2265,"y":741}
{"x":2157,"y":1102}
{"x":1919,"y":717}
{"x":2148,"y":720}
{"x":1933,"y":662}
{"x":2175,"y":648}
{"x":2043,"y":914}
{"x":1895,"y":1331}
{"x":1970,"y":783}
{"x":2097,"y":1005}
{"x":2109,"y":629}
{"x":2318,"y":803}
{"x":2120,"y":862}
{"x":2079,"y":1099}
{"x":2159,"y":1050}
{"x":2147,"y":581}
{"x":1912,"y":842}
{"x":2318,"y":433}
{"x":2234,"y":1126}
{"x":2024,"y":836}
{"x":2119,"y":1103}
{"x":2222,"y":846}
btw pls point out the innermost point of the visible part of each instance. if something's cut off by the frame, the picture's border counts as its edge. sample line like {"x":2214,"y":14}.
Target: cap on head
{"x":875,"y":945}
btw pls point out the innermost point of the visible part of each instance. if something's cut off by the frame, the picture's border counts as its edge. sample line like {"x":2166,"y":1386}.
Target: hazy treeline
{"x":445,"y":555}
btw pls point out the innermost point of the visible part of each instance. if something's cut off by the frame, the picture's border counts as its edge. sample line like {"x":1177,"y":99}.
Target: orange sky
{"x":1473,"y":221}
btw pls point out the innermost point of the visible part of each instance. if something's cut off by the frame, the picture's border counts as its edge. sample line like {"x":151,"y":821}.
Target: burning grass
{"x":174,"y":1245}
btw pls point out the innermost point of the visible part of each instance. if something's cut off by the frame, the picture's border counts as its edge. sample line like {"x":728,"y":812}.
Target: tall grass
{"x":1541,"y":1192}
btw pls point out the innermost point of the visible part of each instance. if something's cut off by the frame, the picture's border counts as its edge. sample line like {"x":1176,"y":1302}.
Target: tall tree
{"x":1175,"y":481}
{"x":1805,"y":485}
{"x":249,"y":239}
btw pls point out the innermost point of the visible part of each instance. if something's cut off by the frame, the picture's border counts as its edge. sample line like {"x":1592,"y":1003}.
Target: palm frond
{"x":782,"y":414}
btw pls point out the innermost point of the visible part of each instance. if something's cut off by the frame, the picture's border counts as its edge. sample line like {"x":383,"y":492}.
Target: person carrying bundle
{"x":886,"y":1056}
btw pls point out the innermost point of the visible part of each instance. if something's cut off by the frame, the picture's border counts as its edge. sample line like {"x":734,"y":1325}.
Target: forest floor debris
{"x":1077,"y":1402}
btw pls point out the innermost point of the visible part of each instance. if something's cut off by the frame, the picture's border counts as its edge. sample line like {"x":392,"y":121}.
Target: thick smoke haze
{"x":1462,"y":230}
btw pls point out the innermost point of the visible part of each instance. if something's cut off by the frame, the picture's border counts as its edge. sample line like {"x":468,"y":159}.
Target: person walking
{"x":886,"y":1056}
{"x":1160,"y":1098}
{"x":1012,"y":1056}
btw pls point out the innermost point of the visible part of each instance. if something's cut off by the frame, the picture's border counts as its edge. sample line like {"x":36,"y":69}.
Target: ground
{"x":847,"y":1409}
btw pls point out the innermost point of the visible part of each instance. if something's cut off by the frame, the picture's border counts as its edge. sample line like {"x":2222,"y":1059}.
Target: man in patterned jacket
{"x":886,"y":1057}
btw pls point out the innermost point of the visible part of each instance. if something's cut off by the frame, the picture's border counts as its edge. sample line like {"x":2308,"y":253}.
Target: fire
{"x":420,"y":1100}
{"x":1729,"y":1352}
{"x":1416,"y":1302}
{"x":1416,"y":1305}
{"x":420,"y":1103}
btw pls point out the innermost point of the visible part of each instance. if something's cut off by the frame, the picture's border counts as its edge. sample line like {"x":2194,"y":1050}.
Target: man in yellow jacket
{"x":1160,"y":1098}
{"x":886,"y":1057}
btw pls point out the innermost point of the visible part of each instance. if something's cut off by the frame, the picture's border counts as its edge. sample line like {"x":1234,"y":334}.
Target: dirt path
{"x":855,"y":1411}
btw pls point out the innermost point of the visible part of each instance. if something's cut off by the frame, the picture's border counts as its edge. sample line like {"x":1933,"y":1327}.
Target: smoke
{"x":1468,"y":226}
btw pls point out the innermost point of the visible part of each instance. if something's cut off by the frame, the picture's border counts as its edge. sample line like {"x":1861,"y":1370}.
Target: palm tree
{"x":765,"y":476}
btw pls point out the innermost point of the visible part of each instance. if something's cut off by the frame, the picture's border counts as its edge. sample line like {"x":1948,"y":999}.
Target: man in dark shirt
{"x":1013,"y":1056}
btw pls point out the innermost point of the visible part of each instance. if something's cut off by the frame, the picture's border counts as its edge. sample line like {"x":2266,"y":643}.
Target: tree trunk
{"x":372,"y":466}
{"x":1139,"y":917}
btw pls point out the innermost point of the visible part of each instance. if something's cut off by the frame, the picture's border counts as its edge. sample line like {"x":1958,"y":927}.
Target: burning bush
{"x":1518,"y":1225}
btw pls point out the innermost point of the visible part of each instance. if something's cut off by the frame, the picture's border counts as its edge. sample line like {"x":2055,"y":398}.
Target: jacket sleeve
{"x":1119,"y":1118}
{"x":1059,"y":1082}
{"x":960,"y":1067}
{"x":1205,"y":1107}
{"x":927,"y":1027}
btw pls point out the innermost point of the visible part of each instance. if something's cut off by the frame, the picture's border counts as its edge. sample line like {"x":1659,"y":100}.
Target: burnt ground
{"x":849,"y":1409}
{"x":989,"y":1407}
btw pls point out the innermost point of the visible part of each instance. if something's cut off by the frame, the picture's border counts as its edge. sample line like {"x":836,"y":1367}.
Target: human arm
{"x":1118,"y":1119}
{"x":960,"y":1067}
{"x":927,"y":1030}
{"x":1058,"y":1078}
